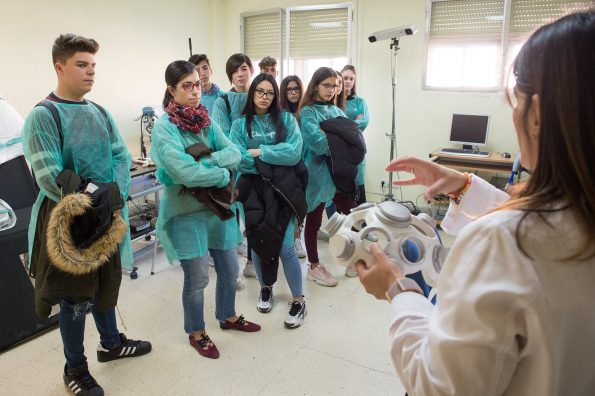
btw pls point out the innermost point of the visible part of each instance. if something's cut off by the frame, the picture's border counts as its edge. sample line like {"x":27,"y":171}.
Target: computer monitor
{"x":469,"y":130}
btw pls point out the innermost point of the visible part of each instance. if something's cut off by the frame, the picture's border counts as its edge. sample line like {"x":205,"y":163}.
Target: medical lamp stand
{"x":394,"y":45}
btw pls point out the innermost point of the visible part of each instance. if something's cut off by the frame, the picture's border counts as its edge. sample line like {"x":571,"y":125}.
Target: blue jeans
{"x":72,"y":329}
{"x":291,"y":267}
{"x":196,"y":278}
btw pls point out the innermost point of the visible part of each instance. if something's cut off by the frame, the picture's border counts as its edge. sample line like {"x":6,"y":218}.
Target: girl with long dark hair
{"x":269,"y":137}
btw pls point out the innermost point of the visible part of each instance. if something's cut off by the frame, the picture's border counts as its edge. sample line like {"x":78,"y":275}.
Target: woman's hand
{"x":380,"y":276}
{"x":438,"y":178}
{"x":254,"y":152}
{"x":359,"y":116}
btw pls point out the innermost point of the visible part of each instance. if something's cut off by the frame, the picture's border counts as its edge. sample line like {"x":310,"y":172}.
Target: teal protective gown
{"x":88,"y":149}
{"x":185,"y":226}
{"x":354,"y":107}
{"x":320,"y":183}
{"x":237,"y":101}
{"x":209,"y":97}
{"x":285,"y":153}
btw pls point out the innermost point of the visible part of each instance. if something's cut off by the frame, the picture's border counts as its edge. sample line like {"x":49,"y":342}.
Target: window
{"x":471,"y":43}
{"x":301,"y":38}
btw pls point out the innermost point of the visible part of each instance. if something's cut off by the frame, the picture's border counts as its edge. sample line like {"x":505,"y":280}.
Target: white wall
{"x":423,"y":117}
{"x":137,"y":39}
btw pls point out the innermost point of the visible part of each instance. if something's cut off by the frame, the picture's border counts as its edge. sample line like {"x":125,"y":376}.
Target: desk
{"x":494,"y":163}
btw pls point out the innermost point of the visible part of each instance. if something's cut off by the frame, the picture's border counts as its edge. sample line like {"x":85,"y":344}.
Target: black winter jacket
{"x":347,"y":149}
{"x":270,"y":199}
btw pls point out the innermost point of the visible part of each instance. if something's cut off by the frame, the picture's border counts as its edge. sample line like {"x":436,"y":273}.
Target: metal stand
{"x":394,"y":46}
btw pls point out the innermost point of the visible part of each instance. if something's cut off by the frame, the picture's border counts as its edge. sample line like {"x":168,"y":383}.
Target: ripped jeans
{"x":72,"y":329}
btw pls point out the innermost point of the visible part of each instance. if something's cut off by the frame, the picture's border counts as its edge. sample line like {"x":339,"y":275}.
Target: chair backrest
{"x":17,"y":186}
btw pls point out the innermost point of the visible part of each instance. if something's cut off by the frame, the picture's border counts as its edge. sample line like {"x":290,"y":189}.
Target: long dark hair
{"x":174,"y":73}
{"x":286,"y":104}
{"x":557,"y":64}
{"x":351,"y":68}
{"x":341,"y":98}
{"x":310,"y":96}
{"x":274,"y":110}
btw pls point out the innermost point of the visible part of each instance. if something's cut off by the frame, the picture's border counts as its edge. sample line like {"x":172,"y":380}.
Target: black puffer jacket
{"x":347,"y":149}
{"x":270,"y":199}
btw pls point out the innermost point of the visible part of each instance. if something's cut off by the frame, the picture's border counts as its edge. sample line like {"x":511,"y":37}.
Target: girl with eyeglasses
{"x":515,"y":303}
{"x":317,"y":105}
{"x":290,"y":94}
{"x":187,"y":228}
{"x":271,"y":145}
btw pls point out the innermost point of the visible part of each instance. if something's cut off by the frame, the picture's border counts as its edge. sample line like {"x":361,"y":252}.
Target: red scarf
{"x":188,"y":118}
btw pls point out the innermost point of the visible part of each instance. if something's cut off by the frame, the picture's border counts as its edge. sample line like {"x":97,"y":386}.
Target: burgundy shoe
{"x":204,"y":346}
{"x":241,"y":324}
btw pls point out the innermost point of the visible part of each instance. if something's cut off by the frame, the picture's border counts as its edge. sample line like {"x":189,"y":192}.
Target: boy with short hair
{"x":68,"y":138}
{"x":210,"y":90}
{"x":268,"y":65}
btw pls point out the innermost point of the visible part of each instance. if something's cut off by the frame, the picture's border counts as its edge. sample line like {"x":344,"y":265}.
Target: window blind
{"x":320,"y":33}
{"x":527,"y":15}
{"x":262,"y":35}
{"x":466,"y":18}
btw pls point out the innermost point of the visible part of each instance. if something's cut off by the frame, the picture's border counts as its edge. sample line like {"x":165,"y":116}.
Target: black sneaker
{"x":265,"y":299}
{"x":129,"y":348}
{"x":80,"y":382}
{"x":296,"y":315}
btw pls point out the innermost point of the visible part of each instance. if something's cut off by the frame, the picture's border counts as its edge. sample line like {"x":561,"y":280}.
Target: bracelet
{"x":458,"y":195}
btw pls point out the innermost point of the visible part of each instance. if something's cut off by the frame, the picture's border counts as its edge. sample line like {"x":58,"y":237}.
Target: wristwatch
{"x":402,"y":285}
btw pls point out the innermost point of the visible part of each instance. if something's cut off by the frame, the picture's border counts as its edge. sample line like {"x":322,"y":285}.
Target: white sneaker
{"x":299,"y":250}
{"x":350,"y":271}
{"x":296,"y":315}
{"x":240,"y":284}
{"x":321,"y":275}
{"x":243,"y":249}
{"x":249,"y":269}
{"x":211,"y":262}
{"x":265,"y":299}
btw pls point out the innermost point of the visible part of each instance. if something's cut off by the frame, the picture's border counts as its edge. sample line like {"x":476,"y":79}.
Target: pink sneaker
{"x":321,"y":275}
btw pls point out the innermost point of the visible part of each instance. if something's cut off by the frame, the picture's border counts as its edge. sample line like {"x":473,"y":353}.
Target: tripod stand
{"x":394,"y":46}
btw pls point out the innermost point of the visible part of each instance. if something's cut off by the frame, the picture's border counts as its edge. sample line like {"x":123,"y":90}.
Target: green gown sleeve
{"x":220,"y":115}
{"x":314,"y":138}
{"x":121,"y":159}
{"x":238,"y":137}
{"x":226,"y":154}
{"x":288,"y":152}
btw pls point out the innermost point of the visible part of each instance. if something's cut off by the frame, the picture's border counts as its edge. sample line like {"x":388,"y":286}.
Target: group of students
{"x":253,"y":132}
{"x":515,"y":292}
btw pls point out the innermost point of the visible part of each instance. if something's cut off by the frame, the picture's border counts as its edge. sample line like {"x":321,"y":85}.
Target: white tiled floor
{"x":342,"y":348}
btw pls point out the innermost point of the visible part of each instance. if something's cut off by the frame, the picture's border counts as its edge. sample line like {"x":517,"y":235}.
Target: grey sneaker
{"x":350,"y":271}
{"x":322,"y":235}
{"x":299,"y":250}
{"x":321,"y":275}
{"x":296,"y":315}
{"x":249,"y":269}
{"x":265,"y":299}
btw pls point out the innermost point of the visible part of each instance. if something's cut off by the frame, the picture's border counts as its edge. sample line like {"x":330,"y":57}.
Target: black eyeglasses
{"x":189,"y":86}
{"x":294,"y":90}
{"x":330,"y":86}
{"x":261,"y":93}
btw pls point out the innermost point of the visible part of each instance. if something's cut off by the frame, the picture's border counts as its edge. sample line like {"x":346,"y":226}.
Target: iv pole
{"x":394,"y":45}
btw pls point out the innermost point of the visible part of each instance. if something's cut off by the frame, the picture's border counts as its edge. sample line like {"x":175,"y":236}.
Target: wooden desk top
{"x":494,"y":163}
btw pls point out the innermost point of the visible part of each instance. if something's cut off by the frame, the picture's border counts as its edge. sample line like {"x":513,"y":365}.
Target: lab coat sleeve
{"x":121,"y":159}
{"x":362,"y":123}
{"x":285,"y":153}
{"x":167,"y":150}
{"x":468,"y":344}
{"x":221,"y":116}
{"x":238,"y":137}
{"x":226,"y":154}
{"x":43,"y":150}
{"x":480,"y":198}
{"x":314,"y":138}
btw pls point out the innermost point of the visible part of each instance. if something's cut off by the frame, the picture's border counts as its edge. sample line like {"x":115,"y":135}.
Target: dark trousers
{"x":314,"y":220}
{"x":72,"y":329}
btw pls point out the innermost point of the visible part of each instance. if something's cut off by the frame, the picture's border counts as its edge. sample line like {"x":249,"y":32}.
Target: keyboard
{"x":465,"y":152}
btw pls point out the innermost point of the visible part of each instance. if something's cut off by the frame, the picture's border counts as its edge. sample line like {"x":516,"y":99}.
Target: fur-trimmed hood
{"x":62,"y":250}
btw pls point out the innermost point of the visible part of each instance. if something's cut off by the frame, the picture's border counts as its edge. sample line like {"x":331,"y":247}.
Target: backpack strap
{"x":226,"y":99}
{"x":50,"y":106}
